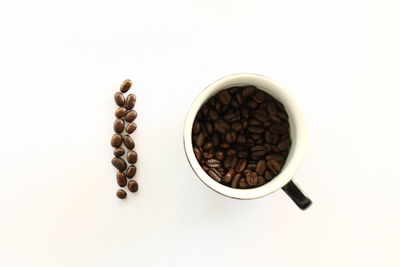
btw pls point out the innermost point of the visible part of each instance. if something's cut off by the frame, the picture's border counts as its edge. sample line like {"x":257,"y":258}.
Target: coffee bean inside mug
{"x":241,"y":137}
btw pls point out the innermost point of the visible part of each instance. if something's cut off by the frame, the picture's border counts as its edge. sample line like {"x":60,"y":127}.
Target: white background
{"x":62,"y":61}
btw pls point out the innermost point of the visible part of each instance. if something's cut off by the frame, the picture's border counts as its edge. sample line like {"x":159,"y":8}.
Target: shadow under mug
{"x":297,"y":133}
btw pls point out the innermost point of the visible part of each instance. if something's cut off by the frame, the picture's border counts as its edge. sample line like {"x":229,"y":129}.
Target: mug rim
{"x":297,"y":134}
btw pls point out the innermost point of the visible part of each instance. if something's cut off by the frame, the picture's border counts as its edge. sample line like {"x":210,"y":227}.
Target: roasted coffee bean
{"x":248,"y":91}
{"x":235,"y":180}
{"x":268,"y":137}
{"x":221,"y":126}
{"x":213,"y":114}
{"x":119,"y":126}
{"x":283,"y":115}
{"x":121,"y":193}
{"x":252,"y":104}
{"x":119,"y":99}
{"x":130,"y":115}
{"x":259,"y":96}
{"x":274,"y":166}
{"x":224,"y":145}
{"x":199,"y":140}
{"x":232,"y":117}
{"x":215,"y":139}
{"x":116,"y":140}
{"x":131,"y":171}
{"x":131,"y":156}
{"x":251,"y":178}
{"x":118,"y":152}
{"x":224,"y":97}
{"x":275,"y":139}
{"x":242,"y":154}
{"x":208,"y":146}
{"x":125,"y":86}
{"x":239,"y":98}
{"x":231,"y":152}
{"x":241,"y":165}
{"x":208,"y":155}
{"x":266,"y":124}
{"x":230,"y":137}
{"x":219,"y":155}
{"x":241,"y":139}
{"x":254,"y":129}
{"x":284,"y":145}
{"x":209,"y":127}
{"x":243,"y":184}
{"x":213,"y":173}
{"x":272,"y":109}
{"x":118,"y":163}
{"x":130,"y":101}
{"x":130,"y":128}
{"x":258,"y":151}
{"x":260,"y":167}
{"x":268,"y":176}
{"x":218,"y":107}
{"x":235,"y":104}
{"x":196,"y":127}
{"x":278,"y":128}
{"x":236,"y":126}
{"x":133,"y":186}
{"x":276,"y":157}
{"x":120,"y":112}
{"x":230,"y":162}
{"x":197,"y":153}
{"x":256,"y":137}
{"x":245,"y":124}
{"x":260,"y":181}
{"x":245,"y":113}
{"x":213,"y":163}
{"x":229,"y":175}
{"x":251,"y":166}
{"x":261,"y":115}
{"x":128,"y":142}
{"x":121,"y":179}
{"x":254,"y":122}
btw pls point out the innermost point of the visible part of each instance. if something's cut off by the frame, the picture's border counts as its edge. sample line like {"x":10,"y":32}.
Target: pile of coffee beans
{"x":125,"y":122}
{"x":241,"y":137}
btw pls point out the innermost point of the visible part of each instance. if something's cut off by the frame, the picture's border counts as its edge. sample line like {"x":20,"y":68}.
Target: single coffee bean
{"x":232,"y":117}
{"x":233,"y":90}
{"x":128,"y":142}
{"x":260,"y":181}
{"x":219,"y":155}
{"x":208,"y":155}
{"x":133,"y":186}
{"x":242,"y":154}
{"x":131,"y":171}
{"x":215,"y":139}
{"x":119,"y":126}
{"x":218,"y":107}
{"x":119,"y":99}
{"x":284,"y":145}
{"x":213,"y":114}
{"x":130,"y":101}
{"x":241,"y":139}
{"x":258,"y":151}
{"x":272,"y":109}
{"x":213,"y":173}
{"x":121,"y":194}
{"x":131,"y":156}
{"x":243,"y":184}
{"x":235,"y":104}
{"x":236,"y":126}
{"x":213,"y":163}
{"x":268,"y":137}
{"x":245,"y":124}
{"x":196,"y":127}
{"x":125,"y":86}
{"x":276,"y":157}
{"x":239,"y":98}
{"x":230,"y":162}
{"x":254,"y":129}
{"x":224,"y":145}
{"x":224,"y":97}
{"x":121,"y":179}
{"x":131,"y":115}
{"x":229,"y":175}
{"x":209,"y":127}
{"x":116,"y":140}
{"x":231,"y":152}
{"x":261,"y":115}
{"x":266,"y":124}
{"x":254,"y":122}
{"x":252,"y":104}
{"x":252,"y":178}
{"x":118,"y":152}
{"x":275,"y":118}
{"x":197,"y":153}
{"x":245,"y":113}
{"x":275,"y":139}
{"x":248,"y":91}
{"x":256,"y":137}
{"x":235,"y":180}
{"x":241,"y":165}
{"x":283,"y":115}
{"x":259,"y":96}
{"x":130,"y":128}
{"x":119,"y":163}
{"x":200,"y":139}
{"x":251,"y":166}
{"x":230,"y":137}
{"x":260,"y":167}
{"x":268,"y":176}
{"x":274,"y":166}
{"x":221,"y":126}
{"x":208,"y":146}
{"x":120,"y":112}
{"x":278,"y":128}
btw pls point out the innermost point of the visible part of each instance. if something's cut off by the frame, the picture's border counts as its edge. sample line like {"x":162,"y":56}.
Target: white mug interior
{"x":297,"y":134}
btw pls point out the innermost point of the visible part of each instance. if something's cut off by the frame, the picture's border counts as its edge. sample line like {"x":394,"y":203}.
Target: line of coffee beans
{"x":241,"y":137}
{"x":125,"y":116}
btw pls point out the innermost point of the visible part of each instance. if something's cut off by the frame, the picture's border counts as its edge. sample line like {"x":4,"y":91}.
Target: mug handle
{"x":295,"y":193}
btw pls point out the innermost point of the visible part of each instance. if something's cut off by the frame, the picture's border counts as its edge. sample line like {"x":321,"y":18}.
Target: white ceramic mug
{"x":297,"y":133}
